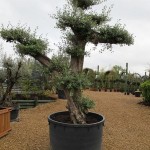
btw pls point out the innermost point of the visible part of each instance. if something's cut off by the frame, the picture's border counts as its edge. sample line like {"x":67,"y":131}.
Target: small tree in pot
{"x":82,"y":26}
{"x":9,"y":76}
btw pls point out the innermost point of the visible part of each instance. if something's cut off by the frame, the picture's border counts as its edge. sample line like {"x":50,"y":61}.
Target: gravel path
{"x":127,"y":125}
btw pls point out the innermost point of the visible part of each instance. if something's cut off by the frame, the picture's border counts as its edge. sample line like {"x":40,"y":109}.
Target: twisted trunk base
{"x":76,"y":115}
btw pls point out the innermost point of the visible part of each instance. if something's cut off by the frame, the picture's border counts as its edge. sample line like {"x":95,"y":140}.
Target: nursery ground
{"x":127,"y":124}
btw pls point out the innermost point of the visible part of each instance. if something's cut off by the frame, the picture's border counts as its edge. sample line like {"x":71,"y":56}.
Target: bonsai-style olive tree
{"x":81,"y":26}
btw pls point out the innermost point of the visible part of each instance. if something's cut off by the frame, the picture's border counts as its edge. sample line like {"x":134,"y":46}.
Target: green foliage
{"x":9,"y":66}
{"x":89,"y":27}
{"x":84,"y":4}
{"x":79,"y":22}
{"x":60,"y":63}
{"x":109,"y":35}
{"x":48,"y":93}
{"x":116,"y":35}
{"x":75,"y":51}
{"x":2,"y":75}
{"x":29,"y":84}
{"x":86,"y":103}
{"x":26,"y":42}
{"x":90,"y":74}
{"x":9,"y":77}
{"x":72,"y":81}
{"x":34,"y":76}
{"x":145,"y":87}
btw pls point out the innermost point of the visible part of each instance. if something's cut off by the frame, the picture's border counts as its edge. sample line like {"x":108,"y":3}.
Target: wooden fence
{"x":31,"y":103}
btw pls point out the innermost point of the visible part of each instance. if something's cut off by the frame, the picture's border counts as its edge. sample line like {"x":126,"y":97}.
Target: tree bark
{"x":44,"y":60}
{"x":1,"y":91}
{"x":6,"y":99}
{"x":76,"y":64}
{"x":76,"y":115}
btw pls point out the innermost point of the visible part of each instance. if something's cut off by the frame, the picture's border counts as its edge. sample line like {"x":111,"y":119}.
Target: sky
{"x":131,"y":13}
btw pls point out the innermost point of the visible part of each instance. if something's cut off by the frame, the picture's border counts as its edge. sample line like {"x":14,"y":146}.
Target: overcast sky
{"x":133,"y":13}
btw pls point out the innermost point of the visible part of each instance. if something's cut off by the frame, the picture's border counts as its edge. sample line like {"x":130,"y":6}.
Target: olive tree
{"x":81,"y":26}
{"x":9,"y":75}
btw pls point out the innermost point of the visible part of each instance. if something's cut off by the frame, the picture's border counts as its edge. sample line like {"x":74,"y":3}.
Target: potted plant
{"x":61,"y":94}
{"x":137,"y":93}
{"x":73,"y":129}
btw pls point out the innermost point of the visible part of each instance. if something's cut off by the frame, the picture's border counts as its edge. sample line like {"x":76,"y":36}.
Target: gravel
{"x":127,"y":124}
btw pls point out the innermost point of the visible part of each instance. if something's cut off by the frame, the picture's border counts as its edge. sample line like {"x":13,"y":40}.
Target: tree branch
{"x":111,"y":35}
{"x":43,"y":59}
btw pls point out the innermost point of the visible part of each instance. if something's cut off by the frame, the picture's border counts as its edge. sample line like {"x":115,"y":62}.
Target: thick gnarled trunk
{"x":44,"y":60}
{"x":76,"y":114}
{"x":11,"y":80}
{"x":76,"y":64}
{"x":6,"y":98}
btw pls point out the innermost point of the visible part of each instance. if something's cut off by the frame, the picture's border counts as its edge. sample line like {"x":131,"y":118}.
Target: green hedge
{"x":145,"y":87}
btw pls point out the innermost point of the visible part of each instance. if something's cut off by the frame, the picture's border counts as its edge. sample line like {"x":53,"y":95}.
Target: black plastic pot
{"x":61,"y":94}
{"x":126,"y":93}
{"x":65,"y":136}
{"x":14,"y":114}
{"x":137,"y":93}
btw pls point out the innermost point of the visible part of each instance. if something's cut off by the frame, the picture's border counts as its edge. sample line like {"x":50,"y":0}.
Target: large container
{"x":64,"y":136}
{"x":4,"y":121}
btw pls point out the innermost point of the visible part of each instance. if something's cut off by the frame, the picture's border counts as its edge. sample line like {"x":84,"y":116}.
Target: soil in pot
{"x":65,"y":118}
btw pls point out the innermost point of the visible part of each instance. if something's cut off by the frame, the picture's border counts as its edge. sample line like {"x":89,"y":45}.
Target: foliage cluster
{"x":85,"y":4}
{"x":145,"y":87}
{"x":86,"y":104}
{"x":72,"y":81}
{"x":26,"y":42}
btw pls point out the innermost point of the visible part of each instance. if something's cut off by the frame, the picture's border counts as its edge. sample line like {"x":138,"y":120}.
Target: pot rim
{"x":98,"y":123}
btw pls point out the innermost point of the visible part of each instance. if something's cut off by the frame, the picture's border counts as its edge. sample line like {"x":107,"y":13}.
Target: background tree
{"x":91,"y":75}
{"x":34,"y":76}
{"x":9,"y":76}
{"x":117,"y":70}
{"x":82,"y":25}
{"x":2,"y":80}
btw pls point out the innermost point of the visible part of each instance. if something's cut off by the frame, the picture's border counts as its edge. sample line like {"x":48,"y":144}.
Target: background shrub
{"x":145,"y":87}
